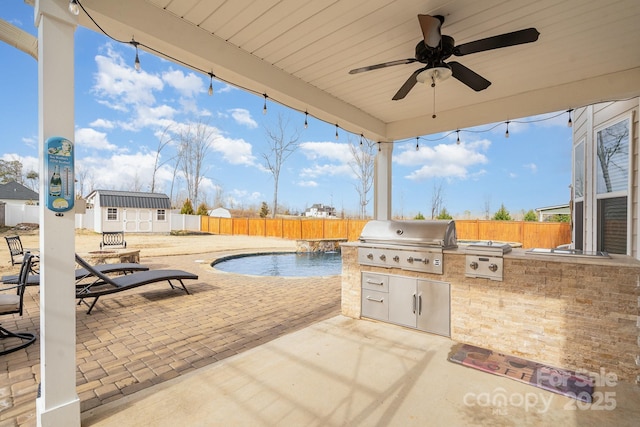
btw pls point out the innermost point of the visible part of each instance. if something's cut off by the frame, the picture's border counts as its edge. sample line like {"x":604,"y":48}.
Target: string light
{"x":417,"y":143}
{"x":73,"y":7}
{"x":379,"y":147}
{"x":136,"y":63}
{"x":361,"y":138}
{"x":506,"y":134}
{"x":211,"y":84}
{"x":306,"y":122}
{"x":77,"y":5}
{"x":337,"y":137}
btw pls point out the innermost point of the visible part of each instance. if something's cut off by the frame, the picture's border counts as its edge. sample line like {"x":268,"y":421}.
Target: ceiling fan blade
{"x":470,"y":78}
{"x":430,"y":26}
{"x":504,"y":40}
{"x":408,"y":85}
{"x":383,"y":65}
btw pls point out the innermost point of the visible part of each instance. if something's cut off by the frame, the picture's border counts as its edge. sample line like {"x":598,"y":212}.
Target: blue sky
{"x":120,"y":114}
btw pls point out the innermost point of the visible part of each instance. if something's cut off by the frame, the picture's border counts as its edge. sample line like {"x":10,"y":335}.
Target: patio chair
{"x":109,"y":285}
{"x":12,"y":304}
{"x":82,"y":273}
{"x":15,"y":249}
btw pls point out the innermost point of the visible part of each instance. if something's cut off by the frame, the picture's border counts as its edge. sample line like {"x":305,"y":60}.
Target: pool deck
{"x":249,"y":350}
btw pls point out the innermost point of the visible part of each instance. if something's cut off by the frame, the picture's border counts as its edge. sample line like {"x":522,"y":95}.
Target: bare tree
{"x":281,"y":143}
{"x":363,"y":158}
{"x":487,"y":206}
{"x":195,"y":141}
{"x":164,"y":140}
{"x":83,"y":177}
{"x":612,"y":147}
{"x":436,"y":199}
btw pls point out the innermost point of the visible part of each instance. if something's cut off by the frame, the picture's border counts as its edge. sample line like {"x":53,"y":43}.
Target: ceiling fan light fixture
{"x":435,"y":75}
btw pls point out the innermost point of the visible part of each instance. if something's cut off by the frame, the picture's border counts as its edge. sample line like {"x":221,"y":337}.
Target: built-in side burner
{"x":485,"y":260}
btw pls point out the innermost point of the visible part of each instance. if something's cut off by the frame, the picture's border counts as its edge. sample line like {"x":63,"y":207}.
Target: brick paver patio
{"x":138,"y":338}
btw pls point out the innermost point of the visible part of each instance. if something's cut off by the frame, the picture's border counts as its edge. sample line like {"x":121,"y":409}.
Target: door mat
{"x":568,"y":383}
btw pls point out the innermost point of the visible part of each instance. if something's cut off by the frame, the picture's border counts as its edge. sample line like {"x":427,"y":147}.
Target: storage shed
{"x":129,"y":211}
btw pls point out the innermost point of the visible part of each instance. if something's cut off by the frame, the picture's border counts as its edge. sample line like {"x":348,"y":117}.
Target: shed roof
{"x":14,"y":191}
{"x":131,"y":199}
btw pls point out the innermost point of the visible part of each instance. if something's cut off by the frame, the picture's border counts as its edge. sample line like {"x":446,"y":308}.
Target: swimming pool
{"x":299,"y":264}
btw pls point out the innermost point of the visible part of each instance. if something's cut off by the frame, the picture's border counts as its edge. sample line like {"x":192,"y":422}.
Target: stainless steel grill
{"x":408,"y":245}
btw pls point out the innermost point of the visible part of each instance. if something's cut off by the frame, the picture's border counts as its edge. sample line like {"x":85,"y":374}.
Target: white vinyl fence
{"x":16,"y":214}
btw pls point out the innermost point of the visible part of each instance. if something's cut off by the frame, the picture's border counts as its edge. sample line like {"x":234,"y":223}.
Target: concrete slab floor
{"x":346,"y":372}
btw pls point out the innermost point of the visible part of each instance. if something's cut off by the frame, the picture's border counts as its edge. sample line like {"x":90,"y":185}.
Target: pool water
{"x":301,"y":264}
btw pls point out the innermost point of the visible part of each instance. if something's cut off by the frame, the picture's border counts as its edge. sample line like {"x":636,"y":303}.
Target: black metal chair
{"x":12,"y":304}
{"x":15,"y":249}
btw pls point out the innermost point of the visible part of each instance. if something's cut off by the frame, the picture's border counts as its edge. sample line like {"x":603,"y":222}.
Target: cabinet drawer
{"x":375,"y":304}
{"x":375,"y":282}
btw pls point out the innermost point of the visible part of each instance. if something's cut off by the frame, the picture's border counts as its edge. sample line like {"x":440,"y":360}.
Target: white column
{"x":58,"y":403}
{"x":382,"y":182}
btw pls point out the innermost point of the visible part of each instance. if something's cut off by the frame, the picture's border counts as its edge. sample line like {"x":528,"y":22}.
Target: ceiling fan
{"x":436,"y":48}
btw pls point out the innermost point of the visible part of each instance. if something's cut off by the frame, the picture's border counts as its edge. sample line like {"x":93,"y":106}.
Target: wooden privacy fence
{"x":530,"y":234}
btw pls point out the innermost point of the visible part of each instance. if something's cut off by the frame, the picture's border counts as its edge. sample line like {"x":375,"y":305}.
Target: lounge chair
{"x":12,"y":304}
{"x":82,"y":273}
{"x":109,"y":285}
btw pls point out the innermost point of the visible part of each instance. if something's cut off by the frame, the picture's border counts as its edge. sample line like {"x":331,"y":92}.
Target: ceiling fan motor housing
{"x":433,"y":55}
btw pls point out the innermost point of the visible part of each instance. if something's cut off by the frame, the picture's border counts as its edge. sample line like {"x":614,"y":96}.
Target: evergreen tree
{"x":202,"y":209}
{"x":502,"y":214}
{"x":419,"y":216}
{"x":530,"y":216}
{"x":187,"y":208}
{"x":444,"y":214}
{"x":264,"y":210}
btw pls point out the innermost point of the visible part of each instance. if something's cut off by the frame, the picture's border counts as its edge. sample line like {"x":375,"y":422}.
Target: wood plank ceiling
{"x":299,"y":52}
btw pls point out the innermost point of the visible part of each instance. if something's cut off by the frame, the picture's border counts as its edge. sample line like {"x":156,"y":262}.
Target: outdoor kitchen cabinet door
{"x":433,"y":307}
{"x":402,"y":300}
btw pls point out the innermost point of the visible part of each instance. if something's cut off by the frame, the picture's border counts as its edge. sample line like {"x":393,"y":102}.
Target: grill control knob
{"x":410,"y":260}
{"x":370,"y":256}
{"x":493,"y":267}
{"x":383,"y":257}
{"x":396,"y":258}
{"x":474,"y":265}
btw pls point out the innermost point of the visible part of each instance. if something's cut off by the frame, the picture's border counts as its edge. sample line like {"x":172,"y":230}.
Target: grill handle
{"x":371,"y":282}
{"x":374,"y":299}
{"x":414,"y":303}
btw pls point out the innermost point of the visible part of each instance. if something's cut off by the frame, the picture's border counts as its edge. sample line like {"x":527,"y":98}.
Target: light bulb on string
{"x":264,"y":107}
{"x":417,"y":143}
{"x":458,"y":136}
{"x":74,"y":7}
{"x":210,"y":84}
{"x":306,"y":122}
{"x":379,"y":147}
{"x":506,"y":134}
{"x":337,"y":136}
{"x":136,"y":63}
{"x":361,"y":138}
{"x":569,"y":122}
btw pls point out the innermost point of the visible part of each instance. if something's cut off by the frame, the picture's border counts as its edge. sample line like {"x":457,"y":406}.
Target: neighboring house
{"x":13,"y":193}
{"x":321,"y":211}
{"x":547,"y":212}
{"x":220,"y":213}
{"x":129,"y":211}
{"x":605,"y":181}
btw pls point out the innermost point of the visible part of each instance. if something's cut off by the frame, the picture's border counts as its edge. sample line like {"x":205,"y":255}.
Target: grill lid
{"x":435,"y":233}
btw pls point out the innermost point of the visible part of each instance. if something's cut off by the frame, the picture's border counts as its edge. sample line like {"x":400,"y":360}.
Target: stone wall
{"x":319,"y":245}
{"x":567,"y":312}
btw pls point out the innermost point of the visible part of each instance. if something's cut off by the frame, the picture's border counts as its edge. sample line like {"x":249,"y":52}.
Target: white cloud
{"x":188,"y":85}
{"x":307,"y":184}
{"x":326,"y":150}
{"x":443,"y":160}
{"x":531,"y":166}
{"x":317,"y":171}
{"x":102,"y":123}
{"x":91,"y":138}
{"x":243,"y":117}
{"x":120,"y":85}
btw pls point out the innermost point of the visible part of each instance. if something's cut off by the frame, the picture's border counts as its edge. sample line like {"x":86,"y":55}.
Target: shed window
{"x":161,"y":215}
{"x":112,"y":214}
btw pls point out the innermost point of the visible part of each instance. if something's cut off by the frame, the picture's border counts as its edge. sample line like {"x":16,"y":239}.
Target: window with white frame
{"x":613,"y":160}
{"x":578,"y":194}
{"x":161,"y":215}
{"x":112,"y":214}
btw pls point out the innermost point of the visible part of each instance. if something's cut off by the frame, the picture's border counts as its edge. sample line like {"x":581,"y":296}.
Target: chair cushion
{"x":9,"y":303}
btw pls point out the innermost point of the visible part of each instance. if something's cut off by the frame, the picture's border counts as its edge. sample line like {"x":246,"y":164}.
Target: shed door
{"x":137,"y":220}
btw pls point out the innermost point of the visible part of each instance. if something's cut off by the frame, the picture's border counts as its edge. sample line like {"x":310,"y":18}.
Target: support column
{"x":382,"y":182}
{"x":58,"y":403}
